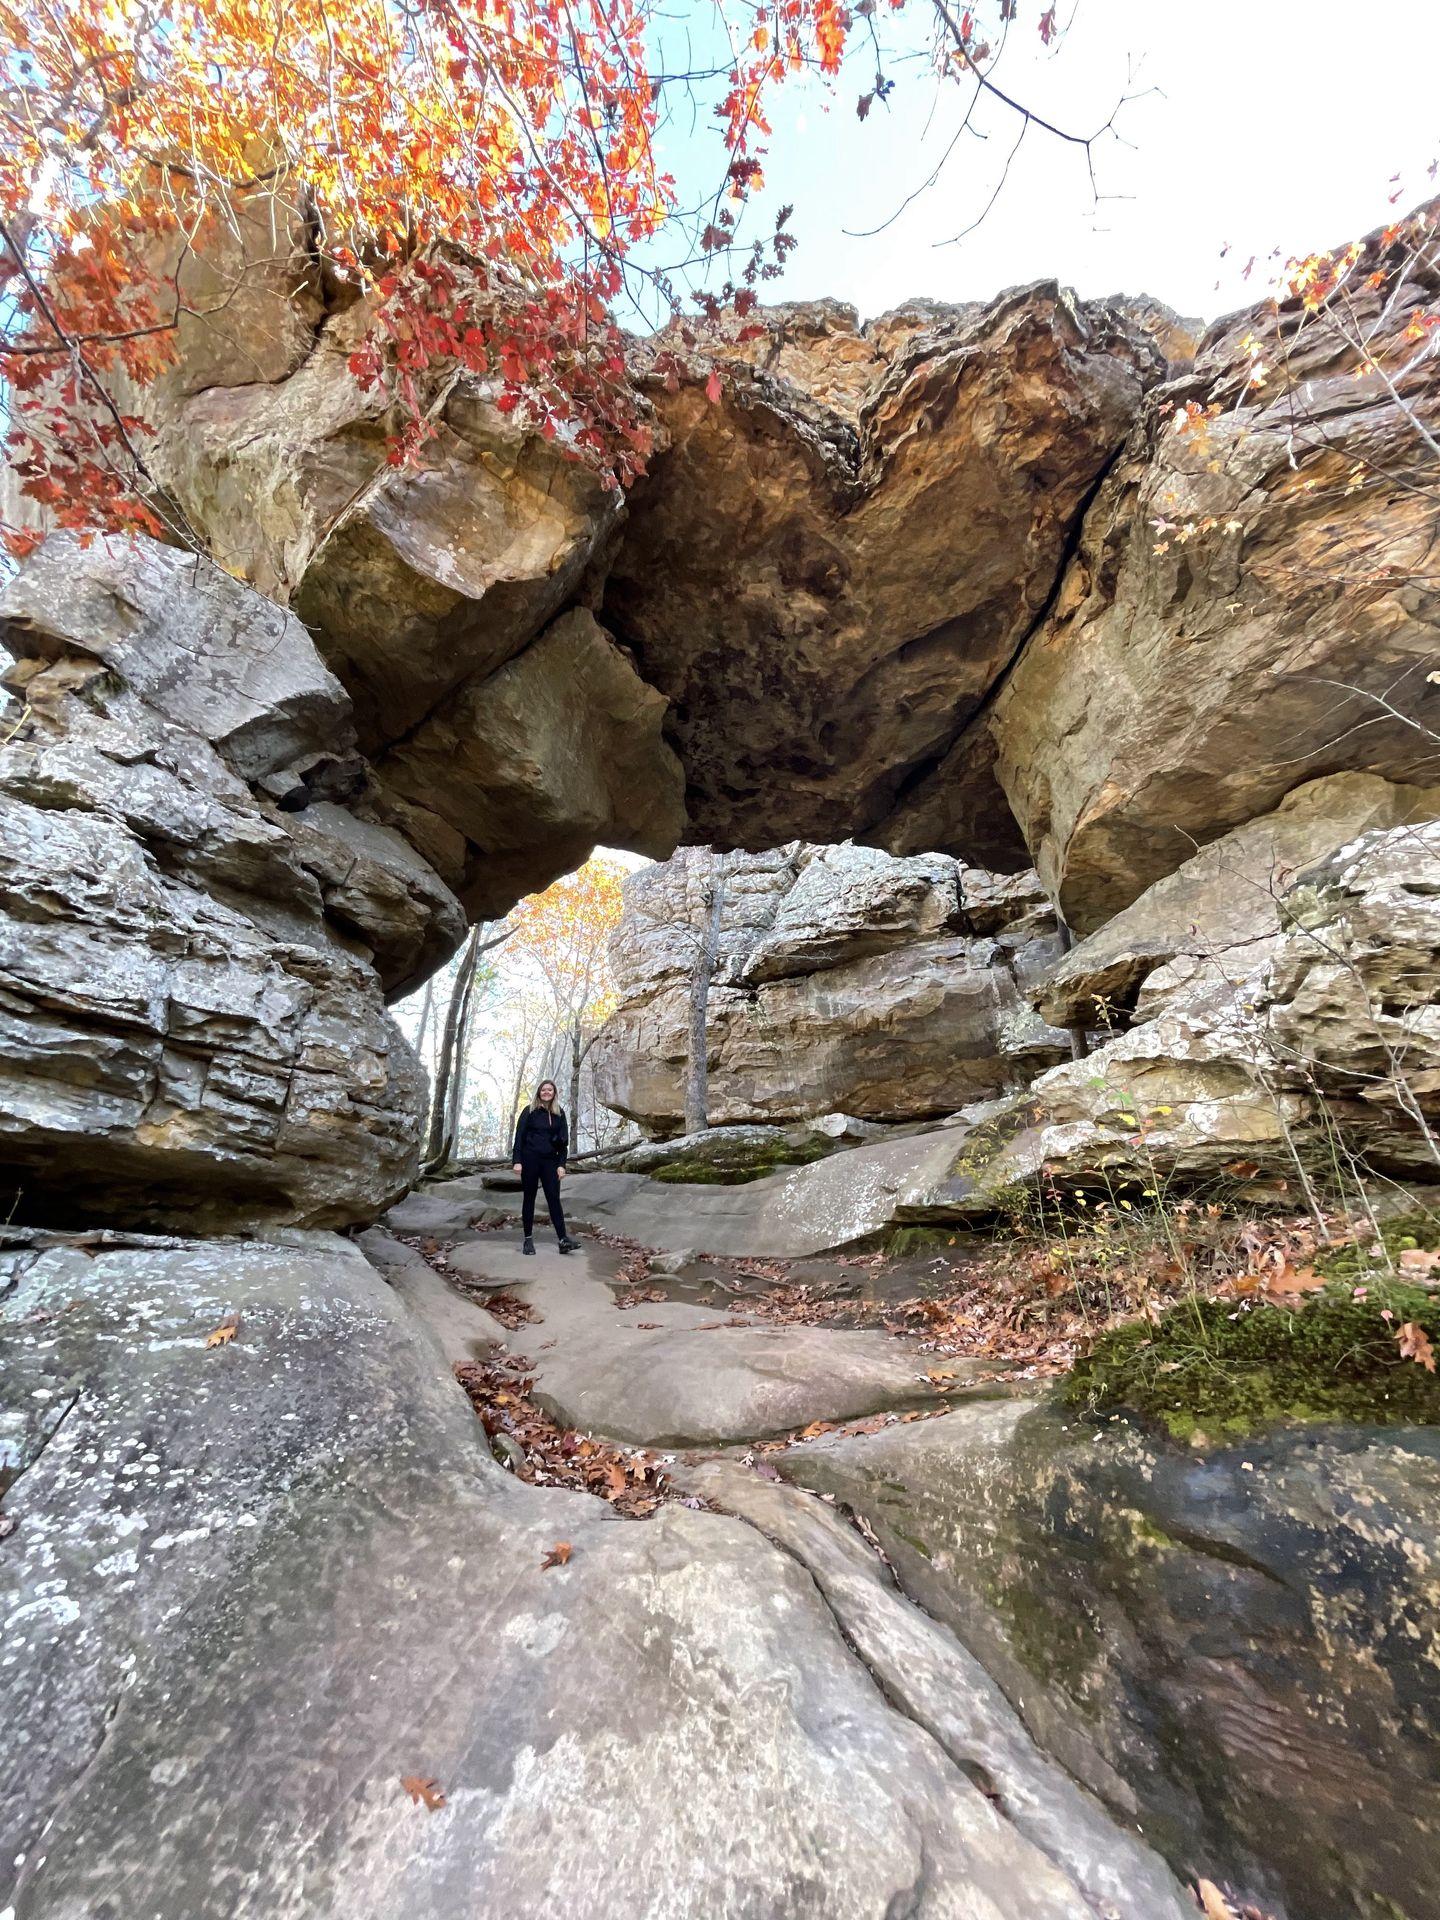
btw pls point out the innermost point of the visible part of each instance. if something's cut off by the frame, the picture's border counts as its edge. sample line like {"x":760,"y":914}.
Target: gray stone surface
{"x":1217,"y":908}
{"x":671,"y":1374}
{"x":1233,"y":1648}
{"x":201,"y":649}
{"x":930,"y":1673}
{"x":1353,"y":994}
{"x":847,"y":980}
{"x":252,"y":1587}
{"x":831,"y":1203}
{"x":191,"y":981}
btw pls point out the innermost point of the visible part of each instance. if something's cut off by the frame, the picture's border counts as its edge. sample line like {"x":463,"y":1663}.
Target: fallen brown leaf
{"x":1415,"y":1345}
{"x":559,"y":1555}
{"x":1288,"y":1279}
{"x":423,"y":1792}
{"x":225,"y":1332}
{"x":1416,"y":1264}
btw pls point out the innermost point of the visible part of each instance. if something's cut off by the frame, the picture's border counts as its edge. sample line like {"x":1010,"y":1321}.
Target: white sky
{"x":1277,"y":125}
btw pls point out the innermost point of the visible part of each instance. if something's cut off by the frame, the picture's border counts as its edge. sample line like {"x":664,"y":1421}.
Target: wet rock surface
{"x":1231,"y":1648}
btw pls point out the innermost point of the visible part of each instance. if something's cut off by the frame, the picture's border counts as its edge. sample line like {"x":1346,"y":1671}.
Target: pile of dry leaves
{"x":549,"y":1455}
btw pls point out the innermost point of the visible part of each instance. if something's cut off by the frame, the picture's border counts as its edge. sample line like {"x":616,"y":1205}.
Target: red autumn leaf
{"x":423,"y":1791}
{"x":712,"y":387}
{"x":559,"y":1555}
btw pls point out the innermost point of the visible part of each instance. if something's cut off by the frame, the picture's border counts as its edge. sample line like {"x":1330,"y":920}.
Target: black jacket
{"x":542,"y":1135}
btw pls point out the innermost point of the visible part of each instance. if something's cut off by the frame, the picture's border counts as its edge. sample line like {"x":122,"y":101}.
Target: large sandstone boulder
{"x":1312,"y":1046}
{"x":1217,"y":909}
{"x":848,"y":981}
{"x":1231,"y":1648}
{"x":558,"y":751}
{"x":428,"y":588}
{"x":252,"y":1589}
{"x":825,"y":585}
{"x":191,"y":979}
{"x":1251,"y":604}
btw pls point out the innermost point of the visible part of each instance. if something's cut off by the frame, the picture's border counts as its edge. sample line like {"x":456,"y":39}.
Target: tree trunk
{"x":422,"y":1040}
{"x":576,"y":1061}
{"x":444,"y":1107}
{"x":1079,"y":1038}
{"x":697,"y":1079}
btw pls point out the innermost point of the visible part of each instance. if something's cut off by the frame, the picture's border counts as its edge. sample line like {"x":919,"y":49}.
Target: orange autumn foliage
{"x":478,"y":172}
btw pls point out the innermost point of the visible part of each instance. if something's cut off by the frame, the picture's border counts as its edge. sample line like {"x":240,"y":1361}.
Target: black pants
{"x":540,"y":1170}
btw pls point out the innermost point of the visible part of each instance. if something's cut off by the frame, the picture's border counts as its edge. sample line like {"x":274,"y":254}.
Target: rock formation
{"x":953,"y":583}
{"x":1250,"y":605}
{"x":849,"y":981}
{"x":1219,"y":908}
{"x":1197,"y":1636}
{"x":825,"y":583}
{"x":191,"y":977}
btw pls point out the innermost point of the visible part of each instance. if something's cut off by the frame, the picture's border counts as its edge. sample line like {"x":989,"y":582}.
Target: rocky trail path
{"x":286,"y":1629}
{"x":328,"y":1655}
{"x":689,"y":1389}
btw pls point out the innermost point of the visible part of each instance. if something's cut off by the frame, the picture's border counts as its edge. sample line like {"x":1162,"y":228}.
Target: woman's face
{"x":547,"y":1090}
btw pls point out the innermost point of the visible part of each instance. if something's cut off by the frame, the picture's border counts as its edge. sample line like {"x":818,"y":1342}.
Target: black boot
{"x":567,"y":1245}
{"x":527,"y":1245}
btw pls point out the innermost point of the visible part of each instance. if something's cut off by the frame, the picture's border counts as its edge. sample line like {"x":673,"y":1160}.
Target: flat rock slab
{"x":447,"y":1206}
{"x":805,"y":1210}
{"x":669,"y":1374}
{"x":253,"y":1587}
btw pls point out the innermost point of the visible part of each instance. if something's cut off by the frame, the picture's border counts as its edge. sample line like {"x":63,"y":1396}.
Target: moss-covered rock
{"x":693,"y":1170}
{"x":1219,"y":1369}
{"x":1233,"y":1648}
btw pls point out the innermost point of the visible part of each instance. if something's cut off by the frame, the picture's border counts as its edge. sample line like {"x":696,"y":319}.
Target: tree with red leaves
{"x":482,"y":174}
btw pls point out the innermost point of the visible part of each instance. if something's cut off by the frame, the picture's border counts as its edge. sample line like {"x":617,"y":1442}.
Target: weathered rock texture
{"x":1320,"y":1039}
{"x":1231,"y":1648}
{"x":191,"y":978}
{"x":1252,"y":605}
{"x":1216,"y":911}
{"x":250,"y":1589}
{"x":825,"y":584}
{"x":431,"y":593}
{"x":952,"y":580}
{"x":848,"y":980}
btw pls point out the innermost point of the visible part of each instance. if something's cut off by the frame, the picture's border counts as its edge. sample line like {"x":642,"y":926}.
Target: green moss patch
{"x":1211,"y":1369}
{"x":697,"y":1170}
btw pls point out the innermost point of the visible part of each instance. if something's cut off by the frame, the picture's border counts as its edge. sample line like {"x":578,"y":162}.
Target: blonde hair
{"x":537,"y":1104}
